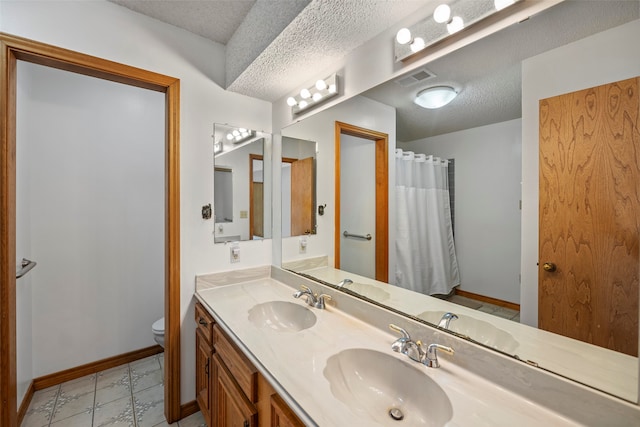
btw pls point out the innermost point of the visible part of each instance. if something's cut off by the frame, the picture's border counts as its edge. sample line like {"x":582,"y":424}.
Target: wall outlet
{"x":303,"y":244}
{"x":244,"y":214}
{"x":234,"y":252}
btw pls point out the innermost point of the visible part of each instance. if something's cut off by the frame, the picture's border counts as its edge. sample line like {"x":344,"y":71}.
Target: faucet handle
{"x":431,"y":359}
{"x":398,"y":329}
{"x":320,"y":302}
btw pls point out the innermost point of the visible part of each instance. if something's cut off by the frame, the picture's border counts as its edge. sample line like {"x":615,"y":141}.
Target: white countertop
{"x":294,"y":362}
{"x":571,"y":358}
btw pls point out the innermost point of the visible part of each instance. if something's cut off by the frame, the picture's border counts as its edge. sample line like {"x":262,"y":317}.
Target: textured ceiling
{"x":215,"y":20}
{"x":273,"y":46}
{"x":487,"y":73}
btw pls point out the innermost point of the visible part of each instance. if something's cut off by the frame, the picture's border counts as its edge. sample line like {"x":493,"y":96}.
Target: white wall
{"x":109,"y":31}
{"x":487,"y":213}
{"x":603,"y":58}
{"x":95,"y":166}
{"x":358,"y":111}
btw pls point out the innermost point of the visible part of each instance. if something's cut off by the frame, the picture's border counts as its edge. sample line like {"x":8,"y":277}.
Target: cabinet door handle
{"x":206,"y":367}
{"x":202,"y":321}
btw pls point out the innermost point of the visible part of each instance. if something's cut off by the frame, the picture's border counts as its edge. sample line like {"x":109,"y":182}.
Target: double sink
{"x":373,"y":385}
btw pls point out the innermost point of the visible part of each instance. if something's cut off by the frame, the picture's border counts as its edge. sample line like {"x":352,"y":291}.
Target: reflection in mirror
{"x":298,"y":187}
{"x":242,"y":188}
{"x":491,"y":132}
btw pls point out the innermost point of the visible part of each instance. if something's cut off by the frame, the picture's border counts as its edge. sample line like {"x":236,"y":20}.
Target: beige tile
{"x":79,"y":420}
{"x":149,"y":406}
{"x":195,"y":420}
{"x":516,"y":318}
{"x":44,"y":399}
{"x":68,"y":405}
{"x":116,"y":413}
{"x":505,"y":313}
{"x":36,"y":418}
{"x":113,"y":392}
{"x":117,"y":375}
{"x":487,"y":308}
{"x":145,"y":365}
{"x":80,"y":386}
{"x":146,"y":380}
{"x":164,"y":424}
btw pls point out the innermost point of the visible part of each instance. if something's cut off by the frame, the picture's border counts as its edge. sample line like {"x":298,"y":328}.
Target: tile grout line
{"x":95,"y":393}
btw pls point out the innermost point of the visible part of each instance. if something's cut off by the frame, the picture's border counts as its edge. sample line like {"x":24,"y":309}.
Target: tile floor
{"x":127,"y":395}
{"x":496,"y":310}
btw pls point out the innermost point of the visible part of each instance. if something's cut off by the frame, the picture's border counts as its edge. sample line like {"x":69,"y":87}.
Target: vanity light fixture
{"x":435,"y":97}
{"x":322,"y":90}
{"x":447,"y":19}
{"x":240,"y":135}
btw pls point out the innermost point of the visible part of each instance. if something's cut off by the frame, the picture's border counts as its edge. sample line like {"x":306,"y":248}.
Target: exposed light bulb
{"x":235,"y":132}
{"x":455,"y":25}
{"x":305,"y":94}
{"x":317,"y":96}
{"x":403,"y":36}
{"x":244,"y":134}
{"x":443,"y":13}
{"x":303,"y":104}
{"x":321,"y":85}
{"x":417,"y":45}
{"x":501,"y":4}
{"x":291,"y":101}
{"x":229,"y":136}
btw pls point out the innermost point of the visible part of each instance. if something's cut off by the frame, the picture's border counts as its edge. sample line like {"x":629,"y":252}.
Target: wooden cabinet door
{"x":590,"y":215}
{"x":204,"y":388}
{"x":231,"y":406}
{"x":282,"y":415}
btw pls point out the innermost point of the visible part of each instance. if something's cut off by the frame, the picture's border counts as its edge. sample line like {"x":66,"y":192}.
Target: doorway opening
{"x":381,"y":209}
{"x":14,"y":49}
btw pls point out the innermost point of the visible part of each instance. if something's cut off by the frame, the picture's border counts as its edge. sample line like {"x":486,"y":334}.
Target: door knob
{"x":549,"y":266}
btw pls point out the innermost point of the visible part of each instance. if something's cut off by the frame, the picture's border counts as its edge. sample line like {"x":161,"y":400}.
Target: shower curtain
{"x":425,"y":253}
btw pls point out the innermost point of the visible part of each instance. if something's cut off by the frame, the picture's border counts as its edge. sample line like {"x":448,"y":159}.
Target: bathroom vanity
{"x":266,"y":357}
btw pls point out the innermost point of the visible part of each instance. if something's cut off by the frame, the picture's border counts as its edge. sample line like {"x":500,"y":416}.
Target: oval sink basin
{"x":282,"y":316}
{"x":386,"y":390}
{"x":478,"y":330}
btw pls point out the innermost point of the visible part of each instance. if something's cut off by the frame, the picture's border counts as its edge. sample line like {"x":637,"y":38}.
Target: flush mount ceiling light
{"x":448,"y":18}
{"x":435,"y":97}
{"x":322,"y":90}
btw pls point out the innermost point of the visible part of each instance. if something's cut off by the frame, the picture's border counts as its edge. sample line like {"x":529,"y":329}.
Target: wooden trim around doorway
{"x":12,"y":49}
{"x":490,"y":300}
{"x":381,"y":141}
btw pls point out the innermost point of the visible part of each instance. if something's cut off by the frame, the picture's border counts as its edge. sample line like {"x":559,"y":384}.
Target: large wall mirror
{"x":242,"y":184}
{"x":478,"y":158}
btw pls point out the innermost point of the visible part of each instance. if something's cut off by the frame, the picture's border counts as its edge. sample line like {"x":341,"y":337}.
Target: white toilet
{"x":158,"y":331}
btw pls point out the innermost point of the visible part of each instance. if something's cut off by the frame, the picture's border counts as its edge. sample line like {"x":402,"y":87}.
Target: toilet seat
{"x":158,"y":327}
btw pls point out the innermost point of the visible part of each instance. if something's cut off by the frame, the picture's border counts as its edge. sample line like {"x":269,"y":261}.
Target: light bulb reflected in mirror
{"x":305,"y":94}
{"x":442,"y":13}
{"x":417,"y":45}
{"x":455,"y":25}
{"x":403,"y":36}
{"x":321,"y":85}
{"x":291,"y":101}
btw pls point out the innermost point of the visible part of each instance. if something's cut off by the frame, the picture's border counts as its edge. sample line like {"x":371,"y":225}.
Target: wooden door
{"x":203,"y":375}
{"x":232,"y":408}
{"x":257,"y":211}
{"x":302,"y":188}
{"x":589,"y":215}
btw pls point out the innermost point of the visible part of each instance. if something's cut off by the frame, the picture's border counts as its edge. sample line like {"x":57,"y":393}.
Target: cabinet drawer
{"x":237,"y":363}
{"x":205,"y":322}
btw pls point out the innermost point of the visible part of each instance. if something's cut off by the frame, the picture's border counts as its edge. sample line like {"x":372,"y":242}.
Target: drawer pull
{"x":203,"y":322}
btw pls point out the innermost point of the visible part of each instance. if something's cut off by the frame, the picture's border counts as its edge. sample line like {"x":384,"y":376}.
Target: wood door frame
{"x":381,"y":141}
{"x":14,"y":48}
{"x":253,"y":157}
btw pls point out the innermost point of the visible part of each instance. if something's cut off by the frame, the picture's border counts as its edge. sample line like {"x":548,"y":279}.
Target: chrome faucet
{"x":312,"y":298}
{"x":431,"y":359}
{"x":344,"y":282}
{"x":413,"y":349}
{"x":446,"y":320}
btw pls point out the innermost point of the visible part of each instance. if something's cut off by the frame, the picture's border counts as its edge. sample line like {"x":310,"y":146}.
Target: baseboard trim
{"x":93,"y":367}
{"x":490,"y":300}
{"x":188,"y":408}
{"x":26,"y":401}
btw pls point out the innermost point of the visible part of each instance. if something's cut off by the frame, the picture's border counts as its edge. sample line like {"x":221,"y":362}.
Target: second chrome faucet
{"x":414,"y":350}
